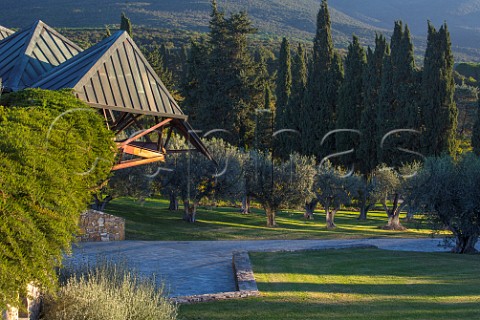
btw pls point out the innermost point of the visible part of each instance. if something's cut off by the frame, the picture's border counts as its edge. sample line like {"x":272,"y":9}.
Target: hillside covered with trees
{"x":274,"y":19}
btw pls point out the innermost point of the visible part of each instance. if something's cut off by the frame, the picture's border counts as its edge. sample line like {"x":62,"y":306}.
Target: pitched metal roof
{"x":114,"y":75}
{"x":5,"y":32}
{"x":30,"y":53}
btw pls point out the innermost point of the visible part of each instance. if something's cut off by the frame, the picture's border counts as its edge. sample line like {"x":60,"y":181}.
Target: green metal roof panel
{"x":28,"y":54}
{"x":114,"y":75}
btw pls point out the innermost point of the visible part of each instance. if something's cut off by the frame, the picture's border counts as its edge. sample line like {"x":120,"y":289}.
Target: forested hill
{"x":274,"y":18}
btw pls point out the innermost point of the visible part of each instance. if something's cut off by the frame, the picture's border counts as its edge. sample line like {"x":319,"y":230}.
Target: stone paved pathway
{"x":201,"y":267}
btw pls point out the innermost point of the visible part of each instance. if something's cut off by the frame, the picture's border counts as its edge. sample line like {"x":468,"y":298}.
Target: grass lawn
{"x":355,"y":284}
{"x":151,"y":220}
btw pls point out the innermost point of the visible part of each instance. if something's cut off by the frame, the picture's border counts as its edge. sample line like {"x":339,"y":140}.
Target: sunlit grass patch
{"x":151,"y":220}
{"x":355,"y":284}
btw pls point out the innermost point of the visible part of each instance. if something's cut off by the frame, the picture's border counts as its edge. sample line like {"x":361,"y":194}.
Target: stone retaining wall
{"x":243,"y":272}
{"x":245,"y":280}
{"x":99,"y":226}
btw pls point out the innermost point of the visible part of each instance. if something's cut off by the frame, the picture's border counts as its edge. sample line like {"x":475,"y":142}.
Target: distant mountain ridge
{"x":291,"y":18}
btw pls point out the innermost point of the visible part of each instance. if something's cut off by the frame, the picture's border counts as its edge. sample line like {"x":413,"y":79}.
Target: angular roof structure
{"x":30,"y":53}
{"x":114,"y":75}
{"x":5,"y":32}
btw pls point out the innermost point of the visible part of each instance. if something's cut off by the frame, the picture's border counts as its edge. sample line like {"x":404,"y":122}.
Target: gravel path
{"x":201,"y":267}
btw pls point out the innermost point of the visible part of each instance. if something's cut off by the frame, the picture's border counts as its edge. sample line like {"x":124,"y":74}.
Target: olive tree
{"x":333,"y":187}
{"x":135,"y":182}
{"x":388,"y":187}
{"x":54,"y":151}
{"x":449,"y":192}
{"x":394,"y":185}
{"x":194,"y":177}
{"x":274,"y":183}
{"x":168,"y":175}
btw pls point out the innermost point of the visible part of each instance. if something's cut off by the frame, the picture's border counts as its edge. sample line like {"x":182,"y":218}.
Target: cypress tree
{"x":367,"y":150}
{"x":409,"y":84}
{"x":336,"y":78}
{"x":284,"y":80}
{"x":385,"y":105}
{"x":388,"y":112}
{"x":126,"y":24}
{"x":261,"y":69}
{"x":322,"y":90}
{"x":398,"y":105}
{"x":439,"y":111}
{"x":350,"y":104}
{"x":299,"y":83}
{"x":372,"y":81}
{"x":283,"y":91}
{"x":476,"y":132}
{"x":296,"y":106}
{"x":263,"y":128}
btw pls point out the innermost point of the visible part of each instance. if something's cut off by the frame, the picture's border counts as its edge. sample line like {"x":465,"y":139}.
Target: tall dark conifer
{"x":367,"y":150}
{"x":385,"y":106}
{"x":283,"y":91}
{"x":398,"y":101}
{"x":214,"y":96}
{"x":322,"y":90}
{"x":264,"y":125}
{"x":229,"y":87}
{"x":126,"y":24}
{"x":243,"y":84}
{"x":372,"y":81}
{"x":296,"y":106}
{"x":284,"y":80}
{"x":350,"y":104}
{"x":194,"y":86}
{"x":438,"y":108}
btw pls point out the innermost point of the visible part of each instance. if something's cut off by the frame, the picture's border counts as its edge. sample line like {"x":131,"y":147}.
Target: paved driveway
{"x":202,"y":267}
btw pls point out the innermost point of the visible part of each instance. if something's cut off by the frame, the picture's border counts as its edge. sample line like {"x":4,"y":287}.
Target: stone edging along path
{"x":245,"y":278}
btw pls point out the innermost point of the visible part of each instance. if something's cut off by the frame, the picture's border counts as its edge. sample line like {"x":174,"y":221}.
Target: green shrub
{"x":109,"y":292}
{"x":54,"y":152}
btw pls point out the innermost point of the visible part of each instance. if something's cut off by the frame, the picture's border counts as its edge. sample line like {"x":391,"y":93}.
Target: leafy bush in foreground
{"x":109,"y":292}
{"x":54,"y":152}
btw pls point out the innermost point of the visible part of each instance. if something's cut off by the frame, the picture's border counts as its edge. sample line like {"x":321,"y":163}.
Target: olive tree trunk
{"x":270,"y":216}
{"x":411,"y":210}
{"x":364,"y":207}
{"x":465,"y":243}
{"x":246,"y":205}
{"x":309,"y":209}
{"x":330,"y":215}
{"x":99,"y":204}
{"x":394,"y":216}
{"x":190,"y":211}
{"x":173,"y":205}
